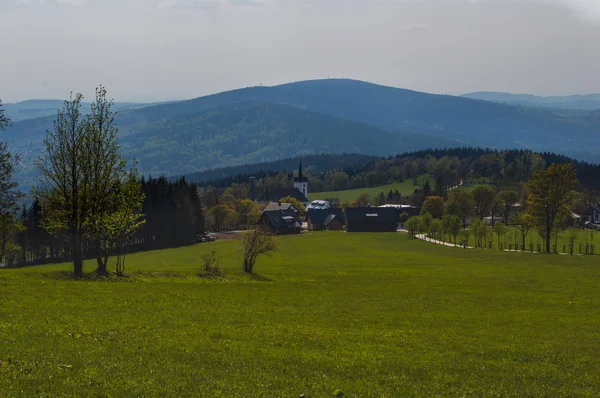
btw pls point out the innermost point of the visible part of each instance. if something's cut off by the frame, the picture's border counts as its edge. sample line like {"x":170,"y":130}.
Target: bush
{"x":211,"y":263}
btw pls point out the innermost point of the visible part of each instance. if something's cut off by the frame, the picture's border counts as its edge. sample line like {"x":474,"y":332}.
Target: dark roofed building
{"x":592,"y":215}
{"x":282,"y":222}
{"x":272,"y":206}
{"x":371,"y":219}
{"x":320,"y":219}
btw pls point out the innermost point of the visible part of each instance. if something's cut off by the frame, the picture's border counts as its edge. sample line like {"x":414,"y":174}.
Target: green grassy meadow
{"x":376,"y":315}
{"x":405,"y":188}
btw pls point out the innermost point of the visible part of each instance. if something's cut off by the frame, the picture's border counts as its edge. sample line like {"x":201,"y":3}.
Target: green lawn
{"x":513,"y":236}
{"x":371,"y":315}
{"x":405,"y":188}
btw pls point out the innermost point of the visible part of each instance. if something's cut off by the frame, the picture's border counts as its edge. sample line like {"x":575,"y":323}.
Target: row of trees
{"x":548,"y":206}
{"x":90,"y":201}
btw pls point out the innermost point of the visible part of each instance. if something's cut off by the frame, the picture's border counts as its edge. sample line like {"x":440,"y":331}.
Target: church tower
{"x":301,"y":182}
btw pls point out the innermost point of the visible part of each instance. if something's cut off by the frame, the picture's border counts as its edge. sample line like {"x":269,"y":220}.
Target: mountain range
{"x":261,"y":124}
{"x":581,"y":102}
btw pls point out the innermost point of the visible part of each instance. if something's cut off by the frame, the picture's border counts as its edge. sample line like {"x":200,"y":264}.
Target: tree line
{"x":90,"y":202}
{"x":547,"y":204}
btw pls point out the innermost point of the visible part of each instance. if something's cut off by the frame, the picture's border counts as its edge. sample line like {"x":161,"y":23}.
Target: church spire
{"x":300,"y":171}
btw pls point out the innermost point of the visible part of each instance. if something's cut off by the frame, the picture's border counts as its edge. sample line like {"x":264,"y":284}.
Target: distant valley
{"x":261,"y":124}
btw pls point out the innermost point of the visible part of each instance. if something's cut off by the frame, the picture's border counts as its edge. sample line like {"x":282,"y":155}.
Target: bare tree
{"x":64,"y":184}
{"x":256,"y":243}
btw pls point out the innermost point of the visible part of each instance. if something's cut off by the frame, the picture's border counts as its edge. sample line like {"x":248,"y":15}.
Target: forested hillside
{"x":261,"y":124}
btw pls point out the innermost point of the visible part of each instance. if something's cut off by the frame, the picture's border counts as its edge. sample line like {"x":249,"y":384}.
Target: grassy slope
{"x":405,"y":188}
{"x":372,"y":315}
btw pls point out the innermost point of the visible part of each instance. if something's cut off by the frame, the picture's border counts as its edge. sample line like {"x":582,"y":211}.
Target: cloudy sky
{"x":173,"y":49}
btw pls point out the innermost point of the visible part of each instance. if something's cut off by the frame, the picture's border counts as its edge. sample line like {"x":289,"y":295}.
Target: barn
{"x":371,"y":219}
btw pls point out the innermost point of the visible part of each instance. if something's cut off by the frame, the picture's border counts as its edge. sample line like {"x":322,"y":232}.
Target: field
{"x":513,"y":236}
{"x":405,"y":188}
{"x":369,"y":315}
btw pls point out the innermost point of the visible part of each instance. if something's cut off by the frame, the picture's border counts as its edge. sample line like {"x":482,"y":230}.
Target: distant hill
{"x":260,"y":124}
{"x":231,"y":135}
{"x":32,"y":109}
{"x":581,"y":102}
{"x":469,"y":121}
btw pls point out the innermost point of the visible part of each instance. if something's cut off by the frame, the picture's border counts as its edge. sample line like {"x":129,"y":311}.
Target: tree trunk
{"x":548,"y":238}
{"x":77,"y":258}
{"x":101,"y":260}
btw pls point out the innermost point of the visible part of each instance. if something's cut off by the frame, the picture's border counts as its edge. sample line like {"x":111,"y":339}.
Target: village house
{"x":281,"y":219}
{"x":591,"y":217}
{"x":371,"y":219}
{"x":330,"y":219}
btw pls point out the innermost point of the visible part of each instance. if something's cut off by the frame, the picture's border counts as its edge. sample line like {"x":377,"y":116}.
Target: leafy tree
{"x":362,"y":201}
{"x":221,"y":216}
{"x":256,"y":243}
{"x":248,"y":212}
{"x":64,"y":185}
{"x":452,"y":225}
{"x":506,"y":200}
{"x":483,"y":198}
{"x":117,"y":225}
{"x":425,"y":222}
{"x":426,"y":189}
{"x":550,"y":197}
{"x":9,"y":193}
{"x":296,"y":203}
{"x":524,"y":224}
{"x":500,"y":230}
{"x":106,"y":179}
{"x":572,"y":236}
{"x":4,"y":121}
{"x":434,"y":205}
{"x":461,"y":204}
{"x":412,"y":226}
{"x":440,"y":188}
{"x":435,"y":229}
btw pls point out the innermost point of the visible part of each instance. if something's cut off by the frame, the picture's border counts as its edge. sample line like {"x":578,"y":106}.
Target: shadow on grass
{"x":259,"y":278}
{"x":88,"y":277}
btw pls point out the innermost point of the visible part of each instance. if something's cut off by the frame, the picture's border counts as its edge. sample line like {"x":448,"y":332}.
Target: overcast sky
{"x":175,"y":49}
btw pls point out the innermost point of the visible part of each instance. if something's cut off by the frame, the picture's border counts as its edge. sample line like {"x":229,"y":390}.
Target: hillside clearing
{"x":405,"y":188}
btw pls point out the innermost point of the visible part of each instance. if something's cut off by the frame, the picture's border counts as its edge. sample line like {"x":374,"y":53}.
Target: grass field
{"x":405,"y":188}
{"x":370,"y":315}
{"x":584,"y":237}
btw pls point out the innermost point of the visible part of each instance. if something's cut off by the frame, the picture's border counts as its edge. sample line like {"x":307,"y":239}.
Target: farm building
{"x":325,"y":219}
{"x":592,"y":215}
{"x":281,"y":219}
{"x":371,"y":219}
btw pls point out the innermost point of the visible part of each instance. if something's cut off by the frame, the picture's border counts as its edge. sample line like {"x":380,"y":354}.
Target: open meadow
{"x":404,"y":188}
{"x":366,"y":314}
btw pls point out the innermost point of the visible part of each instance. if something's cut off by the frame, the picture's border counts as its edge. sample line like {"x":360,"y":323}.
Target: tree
{"x":296,"y":203}
{"x":506,"y":200}
{"x":106,"y":177}
{"x":483,"y":198}
{"x":452,"y":225}
{"x":116,"y":226}
{"x":435,"y":229}
{"x":425,"y":222}
{"x":63,"y":182}
{"x":362,"y":201}
{"x":500,"y":230}
{"x":461,"y":204}
{"x":440,"y":188}
{"x":256,"y":243}
{"x":572,"y":236}
{"x":550,"y":197}
{"x":9,"y":193}
{"x":412,"y":226}
{"x":4,"y":121}
{"x":524,"y":224}
{"x":248,"y":212}
{"x":434,"y":205}
{"x":221,"y":216}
